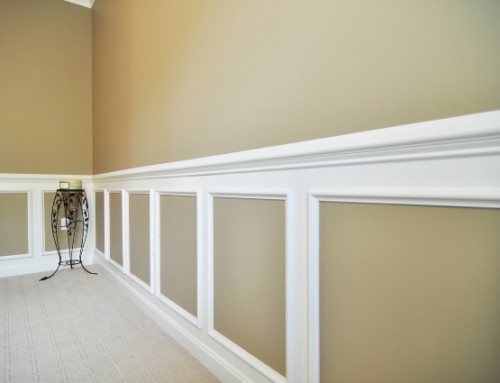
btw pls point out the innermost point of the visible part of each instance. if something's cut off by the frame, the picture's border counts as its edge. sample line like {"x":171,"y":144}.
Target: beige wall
{"x":46,"y":87}
{"x":179,"y":251}
{"x":139,"y":236}
{"x":99,"y":221}
{"x":249,"y":277}
{"x":62,"y":235}
{"x":181,"y":79}
{"x":116,"y":228}
{"x":13,"y":224}
{"x":409,"y":294}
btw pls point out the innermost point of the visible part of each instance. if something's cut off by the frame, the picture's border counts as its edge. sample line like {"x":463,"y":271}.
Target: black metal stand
{"x":74,"y":201}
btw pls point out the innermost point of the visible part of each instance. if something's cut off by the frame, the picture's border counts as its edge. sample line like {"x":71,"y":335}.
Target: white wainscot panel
{"x":451,"y":162}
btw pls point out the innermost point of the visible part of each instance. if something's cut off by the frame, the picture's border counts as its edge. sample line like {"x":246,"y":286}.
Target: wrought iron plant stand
{"x":74,"y":202}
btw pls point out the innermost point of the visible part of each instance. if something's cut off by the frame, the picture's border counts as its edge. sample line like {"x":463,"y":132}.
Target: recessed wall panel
{"x":249,"y":276}
{"x":139,"y":236}
{"x":179,"y":250}
{"x":48,"y":199}
{"x":409,"y":294}
{"x":14,"y":224}
{"x":116,"y":228}
{"x":99,"y":221}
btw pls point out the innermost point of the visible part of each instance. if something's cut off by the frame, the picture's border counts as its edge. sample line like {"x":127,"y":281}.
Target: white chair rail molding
{"x":368,"y":257}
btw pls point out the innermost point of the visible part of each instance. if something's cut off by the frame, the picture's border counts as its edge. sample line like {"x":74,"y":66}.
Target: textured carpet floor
{"x":77,"y":327}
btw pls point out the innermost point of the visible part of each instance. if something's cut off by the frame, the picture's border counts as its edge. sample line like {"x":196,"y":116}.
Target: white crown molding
{"x":83,"y":3}
{"x":465,"y":136}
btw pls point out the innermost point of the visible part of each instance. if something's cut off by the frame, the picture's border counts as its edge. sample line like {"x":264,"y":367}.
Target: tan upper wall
{"x":182,"y":79}
{"x":45,"y":87}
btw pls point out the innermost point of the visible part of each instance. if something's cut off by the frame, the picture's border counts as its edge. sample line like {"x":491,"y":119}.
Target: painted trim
{"x":83,"y":3}
{"x":426,"y":197}
{"x":179,"y":310}
{"x":39,"y":265}
{"x":152,"y":242}
{"x":205,"y":354}
{"x":122,"y":267}
{"x":148,"y":287}
{"x":139,"y":281}
{"x":197,"y":194}
{"x":125,"y":232}
{"x":99,"y":253}
{"x":313,"y":298}
{"x":483,"y":198}
{"x":41,"y":178}
{"x":94,"y":230}
{"x":465,"y":136}
{"x":107,"y":226}
{"x":264,"y":194}
{"x":267,"y":371}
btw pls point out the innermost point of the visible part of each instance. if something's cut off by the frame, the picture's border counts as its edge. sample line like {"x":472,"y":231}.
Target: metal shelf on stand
{"x":75,"y":203}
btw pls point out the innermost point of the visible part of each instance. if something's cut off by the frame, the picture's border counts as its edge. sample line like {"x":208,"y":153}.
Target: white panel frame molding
{"x":449,"y":162}
{"x":200,"y":246}
{"x":136,"y":279}
{"x":124,"y":208}
{"x":286,"y":195}
{"x":425,"y":197}
{"x":105,"y":226}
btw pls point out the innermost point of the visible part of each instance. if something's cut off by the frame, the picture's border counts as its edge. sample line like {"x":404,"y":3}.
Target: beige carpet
{"x":77,"y":327}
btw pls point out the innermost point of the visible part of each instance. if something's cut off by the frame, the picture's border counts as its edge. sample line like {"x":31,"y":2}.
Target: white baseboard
{"x":47,"y":263}
{"x":212,"y":360}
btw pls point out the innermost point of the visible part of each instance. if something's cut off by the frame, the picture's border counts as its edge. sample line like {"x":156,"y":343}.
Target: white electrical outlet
{"x":64,"y":224}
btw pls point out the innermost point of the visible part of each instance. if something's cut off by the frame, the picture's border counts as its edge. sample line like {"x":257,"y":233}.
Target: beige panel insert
{"x":99,"y":221}
{"x":139,"y":236}
{"x":13,"y":224}
{"x":178,"y":251}
{"x":249,"y":277}
{"x":48,"y":199}
{"x":116,"y":228}
{"x":409,"y":294}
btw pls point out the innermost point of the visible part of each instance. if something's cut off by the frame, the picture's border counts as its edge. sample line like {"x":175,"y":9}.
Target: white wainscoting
{"x":451,"y":162}
{"x":38,"y":260}
{"x":265,"y":194}
{"x":200,"y":238}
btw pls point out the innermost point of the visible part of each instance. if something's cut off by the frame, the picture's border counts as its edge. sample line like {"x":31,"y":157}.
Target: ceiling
{"x":83,"y":3}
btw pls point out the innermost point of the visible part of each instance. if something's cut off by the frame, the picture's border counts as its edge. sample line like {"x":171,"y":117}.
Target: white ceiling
{"x":83,"y":3}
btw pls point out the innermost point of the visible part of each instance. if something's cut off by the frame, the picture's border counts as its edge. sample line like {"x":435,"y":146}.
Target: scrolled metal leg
{"x":56,"y":204}
{"x":51,"y":275}
{"x":85,"y":221}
